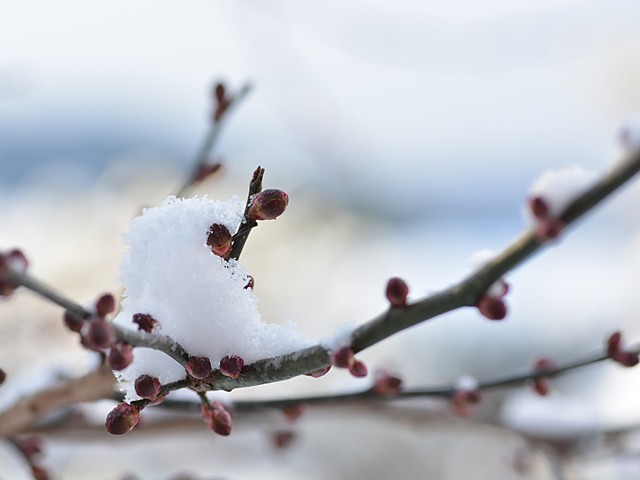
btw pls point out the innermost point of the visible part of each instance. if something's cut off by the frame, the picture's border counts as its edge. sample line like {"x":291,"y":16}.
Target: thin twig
{"x":240,"y":238}
{"x":210,"y":140}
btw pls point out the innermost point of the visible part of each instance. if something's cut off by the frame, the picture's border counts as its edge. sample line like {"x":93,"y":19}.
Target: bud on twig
{"x":15,"y":261}
{"x":198,"y":367}
{"x":219,"y":239}
{"x":358,"y":369}
{"x":100,"y":334}
{"x":231,"y":366}
{"x":105,"y":305}
{"x":145,"y":322}
{"x":493,"y":308}
{"x":3,"y":376}
{"x":72,"y":321}
{"x":148,"y":387}
{"x":120,"y":356}
{"x":205,"y":170}
{"x":342,"y":358}
{"x":217,"y":418}
{"x":268,"y":205}
{"x":122,"y":419}
{"x":387,"y":385}
{"x":293,"y":413}
{"x":397,"y":292}
{"x":626,"y":358}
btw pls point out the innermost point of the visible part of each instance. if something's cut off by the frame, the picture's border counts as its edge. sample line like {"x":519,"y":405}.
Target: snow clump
{"x":198,"y":299}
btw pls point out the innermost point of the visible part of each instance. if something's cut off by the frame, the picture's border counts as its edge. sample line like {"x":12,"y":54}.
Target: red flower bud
{"x":231,"y":366}
{"x":491,"y":307}
{"x":358,"y":369}
{"x":3,"y":376}
{"x":145,"y":322}
{"x":397,"y":291}
{"x":613,"y":343}
{"x":219,"y":239}
{"x":148,"y":387}
{"x":72,"y":321}
{"x":219,"y":92}
{"x":220,"y":420}
{"x":539,"y":208}
{"x":31,"y":447}
{"x":543,"y":365}
{"x":122,"y":419}
{"x":120,"y":356}
{"x":105,"y":305}
{"x":541,"y":386}
{"x":387,"y":385}
{"x":318,"y":373}
{"x":100,"y":334}
{"x":293,"y":412}
{"x":198,"y":367}
{"x":627,"y":359}
{"x":268,"y":205}
{"x":342,"y":358}
{"x":9,"y":262}
{"x":463,"y":400}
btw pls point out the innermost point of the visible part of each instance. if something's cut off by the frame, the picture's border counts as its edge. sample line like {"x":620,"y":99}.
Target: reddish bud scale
{"x":100,"y":334}
{"x":231,"y":366}
{"x":3,"y":376}
{"x":219,"y":92}
{"x":614,"y":342}
{"x":319,"y":373}
{"x":342,"y":358}
{"x":387,"y":385}
{"x":148,"y":387}
{"x":543,"y":365}
{"x":198,"y":367}
{"x":492,"y":308}
{"x":122,"y":419}
{"x":219,"y":240}
{"x":120,"y":356}
{"x":397,"y":292}
{"x":105,"y":305}
{"x":268,"y":205}
{"x":358,"y":369}
{"x":145,"y":322}
{"x":72,"y":322}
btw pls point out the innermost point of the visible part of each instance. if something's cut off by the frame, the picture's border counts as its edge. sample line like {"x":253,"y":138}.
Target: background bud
{"x":72,"y":322}
{"x":397,"y":291}
{"x":122,"y":419}
{"x":120,"y":356}
{"x":358,"y":369}
{"x":268,"y":205}
{"x":220,"y":421}
{"x":3,"y":376}
{"x":100,"y":334}
{"x":342,"y":358}
{"x":493,"y":308}
{"x":105,"y":304}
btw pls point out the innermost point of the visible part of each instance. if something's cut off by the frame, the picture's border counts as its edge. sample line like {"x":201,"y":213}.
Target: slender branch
{"x":138,"y":339}
{"x":240,"y":238}
{"x":210,"y":140}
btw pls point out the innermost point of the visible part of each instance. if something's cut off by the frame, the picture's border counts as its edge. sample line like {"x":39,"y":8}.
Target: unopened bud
{"x":205,"y":171}
{"x":541,"y":386}
{"x":3,"y":376}
{"x":122,"y":419}
{"x":73,"y":322}
{"x":198,"y":367}
{"x":613,"y":342}
{"x":120,"y":356}
{"x":293,"y":412}
{"x":13,"y":261}
{"x":105,"y":305}
{"x":549,"y":229}
{"x":220,"y":421}
{"x":231,"y":366}
{"x":397,"y":291}
{"x":145,"y":322}
{"x":283,"y":438}
{"x":219,"y":240}
{"x":492,"y":307}
{"x":342,"y":358}
{"x":358,"y":369}
{"x":387,"y":385}
{"x":268,"y":205}
{"x":539,"y":208}
{"x":219,"y":92}
{"x":627,"y":359}
{"x":148,"y":387}
{"x":100,"y":334}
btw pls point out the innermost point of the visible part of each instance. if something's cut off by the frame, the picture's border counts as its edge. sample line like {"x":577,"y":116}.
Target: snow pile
{"x":558,"y":188}
{"x":199,"y":299}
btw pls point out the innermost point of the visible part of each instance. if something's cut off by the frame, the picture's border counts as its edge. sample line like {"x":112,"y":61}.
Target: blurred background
{"x":406,"y":133}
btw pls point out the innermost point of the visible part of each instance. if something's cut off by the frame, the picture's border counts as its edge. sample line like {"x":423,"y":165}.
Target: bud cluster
{"x":547,"y":227}
{"x":615,"y":351}
{"x":12,"y":261}
{"x":222,"y":101}
{"x":198,"y":367}
{"x":345,"y":358}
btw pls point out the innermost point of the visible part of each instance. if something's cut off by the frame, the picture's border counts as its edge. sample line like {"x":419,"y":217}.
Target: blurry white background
{"x":406,"y":133}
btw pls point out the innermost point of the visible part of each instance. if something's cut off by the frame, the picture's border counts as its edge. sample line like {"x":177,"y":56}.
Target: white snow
{"x":467,"y":383}
{"x":558,"y":188}
{"x":199,"y":299}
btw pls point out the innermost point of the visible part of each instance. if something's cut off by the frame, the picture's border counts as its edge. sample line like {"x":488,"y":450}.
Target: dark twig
{"x":202,"y":157}
{"x":240,"y":238}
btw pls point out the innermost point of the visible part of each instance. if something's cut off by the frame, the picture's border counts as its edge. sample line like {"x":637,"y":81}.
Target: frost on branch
{"x":171,"y":276}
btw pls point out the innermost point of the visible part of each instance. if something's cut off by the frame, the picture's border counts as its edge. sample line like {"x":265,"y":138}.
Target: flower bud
{"x":539,"y":208}
{"x":3,"y":376}
{"x":12,"y":261}
{"x":72,"y":321}
{"x":38,"y":472}
{"x":219,"y":240}
{"x":219,"y":92}
{"x":198,"y":367}
{"x":120,"y":356}
{"x":105,"y":305}
{"x":293,"y":412}
{"x":231,"y":366}
{"x":358,"y":369}
{"x":145,"y":322}
{"x":268,"y":205}
{"x":397,"y":291}
{"x":541,"y":386}
{"x":220,"y":420}
{"x":627,"y":359}
{"x":122,"y":419}
{"x":492,"y":307}
{"x":387,"y":385}
{"x":148,"y":387}
{"x":613,"y":343}
{"x":100,"y":334}
{"x":342,"y":358}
